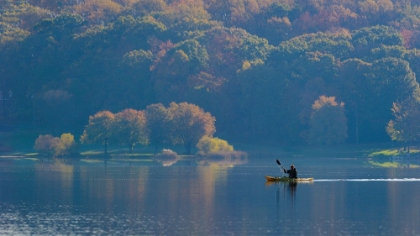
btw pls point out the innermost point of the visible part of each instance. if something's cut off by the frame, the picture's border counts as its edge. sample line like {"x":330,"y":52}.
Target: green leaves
{"x":99,"y":129}
{"x":405,"y":126}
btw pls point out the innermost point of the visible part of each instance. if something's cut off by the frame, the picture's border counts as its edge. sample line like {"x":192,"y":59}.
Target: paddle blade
{"x":278,"y":162}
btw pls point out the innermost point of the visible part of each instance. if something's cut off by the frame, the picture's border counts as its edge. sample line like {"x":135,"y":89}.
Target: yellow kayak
{"x":287,"y":179}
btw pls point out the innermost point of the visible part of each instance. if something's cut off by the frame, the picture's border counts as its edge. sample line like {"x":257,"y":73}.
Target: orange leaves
{"x":205,"y":80}
{"x":130,"y":115}
{"x":182,"y":123}
{"x":375,"y":6}
{"x":184,"y":15}
{"x":325,"y":101}
{"x":98,"y":10}
{"x":408,"y":37}
{"x":330,"y":18}
{"x":146,"y":7}
{"x":328,"y":122}
{"x":129,"y":127}
{"x":279,"y":21}
{"x":190,"y":124}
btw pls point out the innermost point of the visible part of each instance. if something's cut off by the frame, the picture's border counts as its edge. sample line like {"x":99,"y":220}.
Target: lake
{"x":190,"y":197}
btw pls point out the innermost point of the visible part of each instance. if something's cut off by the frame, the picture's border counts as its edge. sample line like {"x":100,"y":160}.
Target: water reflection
{"x":205,"y":196}
{"x":167,"y":157}
{"x":285,"y":187}
{"x":167,"y":160}
{"x":369,"y":180}
{"x":224,"y":159}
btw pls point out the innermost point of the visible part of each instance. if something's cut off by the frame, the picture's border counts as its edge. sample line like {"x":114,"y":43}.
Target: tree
{"x":60,"y":28}
{"x":355,"y":93}
{"x":113,"y":64}
{"x":190,"y":123}
{"x":366,"y":39}
{"x":157,"y":125}
{"x":186,"y":15}
{"x":329,"y":18}
{"x":98,"y":130}
{"x":328,"y":122}
{"x":259,"y":103}
{"x":313,"y":89}
{"x":369,"y":90}
{"x":146,"y":7}
{"x":389,"y":80}
{"x":413,"y":57}
{"x":98,"y":11}
{"x":228,"y":48}
{"x":129,"y":128}
{"x":9,"y":34}
{"x":24,"y":16}
{"x":388,"y":51}
{"x":405,"y":127}
{"x":375,"y":10}
{"x":174,"y":68}
{"x":134,"y":86}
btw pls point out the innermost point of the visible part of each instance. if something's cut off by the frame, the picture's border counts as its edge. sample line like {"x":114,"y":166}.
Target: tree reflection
{"x":224,"y":159}
{"x":167,"y":157}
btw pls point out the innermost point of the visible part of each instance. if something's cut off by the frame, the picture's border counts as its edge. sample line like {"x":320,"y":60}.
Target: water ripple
{"x":369,"y":180}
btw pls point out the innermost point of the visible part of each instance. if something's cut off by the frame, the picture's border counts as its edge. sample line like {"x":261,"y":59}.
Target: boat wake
{"x":369,"y":180}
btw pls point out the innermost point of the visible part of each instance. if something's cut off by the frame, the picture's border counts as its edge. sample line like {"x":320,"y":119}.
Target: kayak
{"x":287,"y":179}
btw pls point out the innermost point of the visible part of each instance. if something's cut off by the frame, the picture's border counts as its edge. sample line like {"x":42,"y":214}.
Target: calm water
{"x":140,"y":197}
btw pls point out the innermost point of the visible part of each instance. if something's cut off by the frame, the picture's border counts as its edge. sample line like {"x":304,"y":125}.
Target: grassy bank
{"x":20,"y":143}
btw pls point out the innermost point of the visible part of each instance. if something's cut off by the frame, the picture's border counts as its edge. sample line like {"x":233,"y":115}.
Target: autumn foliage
{"x":256,"y":65}
{"x":208,"y":145}
{"x":181,"y":123}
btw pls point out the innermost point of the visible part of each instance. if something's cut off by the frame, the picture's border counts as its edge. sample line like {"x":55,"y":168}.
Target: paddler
{"x":292,"y":172}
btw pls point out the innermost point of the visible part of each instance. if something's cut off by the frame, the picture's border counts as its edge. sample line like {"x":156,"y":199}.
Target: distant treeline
{"x":260,"y":67}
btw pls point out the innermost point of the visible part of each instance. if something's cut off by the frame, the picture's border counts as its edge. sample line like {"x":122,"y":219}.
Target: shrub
{"x":66,"y":145}
{"x":210,"y":145}
{"x":48,"y":145}
{"x":45,"y":144}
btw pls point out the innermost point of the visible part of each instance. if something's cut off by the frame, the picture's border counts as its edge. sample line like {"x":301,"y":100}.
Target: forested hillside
{"x":263,"y":68}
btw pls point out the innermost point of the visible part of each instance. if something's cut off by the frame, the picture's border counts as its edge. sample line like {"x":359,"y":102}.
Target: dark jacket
{"x":292,"y":173}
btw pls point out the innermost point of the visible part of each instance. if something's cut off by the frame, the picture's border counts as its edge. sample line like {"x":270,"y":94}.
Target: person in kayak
{"x":292,"y":172}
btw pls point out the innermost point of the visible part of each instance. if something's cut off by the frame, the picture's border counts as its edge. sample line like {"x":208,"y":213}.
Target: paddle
{"x":279,"y":163}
